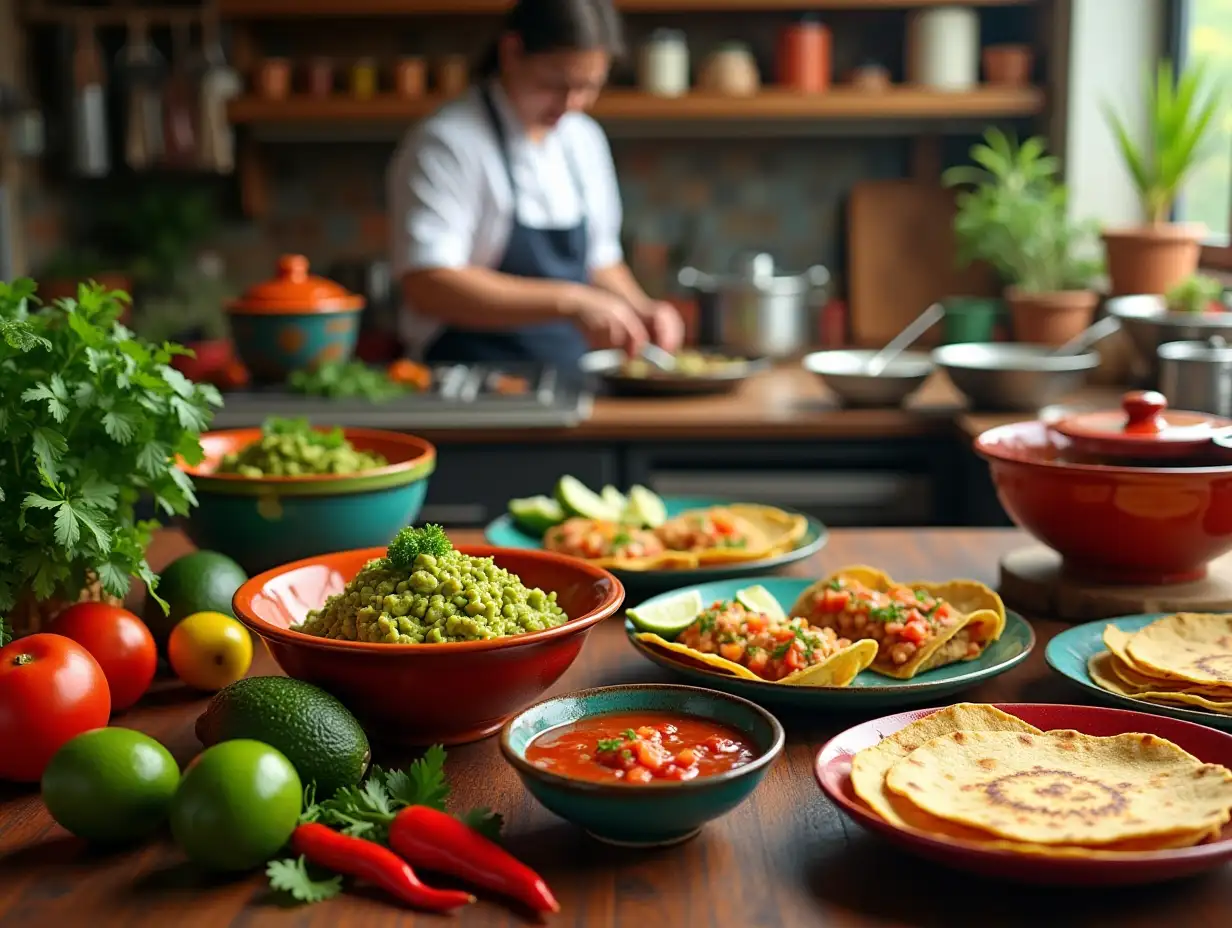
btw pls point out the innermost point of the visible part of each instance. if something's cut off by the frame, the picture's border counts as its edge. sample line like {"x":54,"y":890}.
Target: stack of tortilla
{"x":974,"y":774}
{"x":1179,"y":660}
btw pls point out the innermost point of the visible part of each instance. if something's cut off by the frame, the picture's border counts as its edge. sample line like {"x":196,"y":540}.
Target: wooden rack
{"x":64,"y":14}
{"x":276,"y":9}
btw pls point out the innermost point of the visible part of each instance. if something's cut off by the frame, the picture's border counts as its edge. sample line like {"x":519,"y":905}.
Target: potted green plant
{"x":92,"y":419}
{"x":1180,"y":118}
{"x":1195,"y":294}
{"x":1012,"y":214}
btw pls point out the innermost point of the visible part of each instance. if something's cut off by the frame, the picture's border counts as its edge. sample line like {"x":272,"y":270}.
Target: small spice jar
{"x":319,"y":77}
{"x":663,"y":70}
{"x":1008,"y":65}
{"x":804,"y":56}
{"x":453,"y":74}
{"x":410,"y":77}
{"x":363,"y":79}
{"x":731,"y":70}
{"x":274,"y":78}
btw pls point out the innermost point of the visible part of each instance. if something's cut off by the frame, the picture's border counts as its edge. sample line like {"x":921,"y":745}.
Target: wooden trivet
{"x":1032,"y":583}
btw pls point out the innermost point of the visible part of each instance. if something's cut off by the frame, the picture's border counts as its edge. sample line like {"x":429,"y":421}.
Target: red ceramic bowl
{"x":434,"y":693}
{"x":1110,"y":524}
{"x":832,"y":768}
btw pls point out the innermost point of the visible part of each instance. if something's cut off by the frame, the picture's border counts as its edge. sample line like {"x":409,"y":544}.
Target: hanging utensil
{"x":90,"y":152}
{"x":904,"y":339}
{"x":1082,"y":342}
{"x":180,"y":104}
{"x":142,"y":68}
{"x":218,"y":85}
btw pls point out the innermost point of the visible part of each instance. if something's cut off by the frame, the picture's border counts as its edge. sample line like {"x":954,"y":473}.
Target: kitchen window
{"x":1202,"y":29}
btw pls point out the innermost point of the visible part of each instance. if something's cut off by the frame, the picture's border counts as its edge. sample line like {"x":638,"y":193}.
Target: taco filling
{"x":592,"y":540}
{"x":903,"y":621}
{"x":707,"y":529}
{"x":770,"y":648}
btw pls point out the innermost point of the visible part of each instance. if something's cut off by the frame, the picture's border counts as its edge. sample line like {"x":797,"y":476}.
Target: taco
{"x":730,"y":637}
{"x":611,"y":544}
{"x":918,"y":626}
{"x":739,"y":532}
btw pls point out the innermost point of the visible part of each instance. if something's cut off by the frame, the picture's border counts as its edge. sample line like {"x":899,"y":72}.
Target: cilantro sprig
{"x":91,"y":418}
{"x":6,"y":632}
{"x":366,"y":811}
{"x":409,"y":543}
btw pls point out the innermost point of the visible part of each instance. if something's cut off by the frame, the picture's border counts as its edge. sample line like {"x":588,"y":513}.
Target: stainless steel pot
{"x":1197,"y":375}
{"x":1149,"y":324}
{"x":1010,"y":377}
{"x":757,"y":312}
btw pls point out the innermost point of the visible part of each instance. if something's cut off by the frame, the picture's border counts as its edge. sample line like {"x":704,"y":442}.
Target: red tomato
{"x":119,"y":641}
{"x":51,"y":690}
{"x":915,"y":632}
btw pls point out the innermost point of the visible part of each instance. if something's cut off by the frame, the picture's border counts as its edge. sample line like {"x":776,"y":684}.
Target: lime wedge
{"x":645,"y":507}
{"x":536,"y":514}
{"x":580,"y":500}
{"x":668,"y":617}
{"x":759,"y":599}
{"x":614,"y":498}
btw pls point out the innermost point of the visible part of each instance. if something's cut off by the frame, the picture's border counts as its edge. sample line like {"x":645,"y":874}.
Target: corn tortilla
{"x":838,"y":670}
{"x":1188,"y":646}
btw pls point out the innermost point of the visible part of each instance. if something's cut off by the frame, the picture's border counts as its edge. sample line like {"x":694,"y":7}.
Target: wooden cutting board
{"x":900,"y":258}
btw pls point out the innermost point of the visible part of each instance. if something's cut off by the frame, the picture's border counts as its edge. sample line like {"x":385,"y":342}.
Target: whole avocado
{"x":202,"y":581}
{"x":318,"y":734}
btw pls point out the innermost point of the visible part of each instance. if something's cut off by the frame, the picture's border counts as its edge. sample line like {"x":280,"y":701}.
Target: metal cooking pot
{"x":1149,"y":324}
{"x":1197,"y":375}
{"x":757,"y":312}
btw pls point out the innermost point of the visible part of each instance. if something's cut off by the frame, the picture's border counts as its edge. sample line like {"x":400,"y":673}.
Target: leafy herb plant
{"x":91,"y":417}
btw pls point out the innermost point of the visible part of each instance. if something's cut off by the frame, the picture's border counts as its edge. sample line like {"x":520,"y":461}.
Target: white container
{"x":943,"y":48}
{"x":664,"y":65}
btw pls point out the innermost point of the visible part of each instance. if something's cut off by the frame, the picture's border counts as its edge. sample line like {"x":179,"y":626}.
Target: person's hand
{"x":607,"y":320}
{"x":665,"y":324}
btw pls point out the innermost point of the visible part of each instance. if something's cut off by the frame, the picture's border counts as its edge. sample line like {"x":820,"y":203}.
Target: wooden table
{"x":786,"y":858}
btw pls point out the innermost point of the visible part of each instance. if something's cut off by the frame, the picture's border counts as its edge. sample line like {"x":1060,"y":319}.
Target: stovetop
{"x":461,"y":397}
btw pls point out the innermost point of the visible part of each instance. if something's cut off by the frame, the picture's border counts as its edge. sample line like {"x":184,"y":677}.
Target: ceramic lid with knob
{"x":1144,"y":427}
{"x":294,"y":290}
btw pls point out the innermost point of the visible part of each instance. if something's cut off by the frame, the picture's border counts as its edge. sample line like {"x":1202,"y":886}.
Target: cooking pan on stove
{"x":606,"y":370}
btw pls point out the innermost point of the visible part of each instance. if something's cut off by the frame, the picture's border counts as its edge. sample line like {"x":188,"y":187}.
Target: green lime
{"x":203,"y":581}
{"x":236,"y":806}
{"x":759,"y":599}
{"x":110,"y":785}
{"x":580,"y":500}
{"x":668,"y":617}
{"x":536,"y":514}
{"x":316,"y":732}
{"x":614,"y":498}
{"x":645,"y":507}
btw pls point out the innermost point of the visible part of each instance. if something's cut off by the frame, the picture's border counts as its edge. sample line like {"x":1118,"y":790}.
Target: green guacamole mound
{"x":425,"y":592}
{"x":292,"y":448}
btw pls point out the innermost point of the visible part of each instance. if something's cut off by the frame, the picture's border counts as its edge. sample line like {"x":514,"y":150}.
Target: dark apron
{"x":547,"y":254}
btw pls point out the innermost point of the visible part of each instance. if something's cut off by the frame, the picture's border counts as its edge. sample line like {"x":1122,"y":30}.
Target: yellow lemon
{"x":209,"y":650}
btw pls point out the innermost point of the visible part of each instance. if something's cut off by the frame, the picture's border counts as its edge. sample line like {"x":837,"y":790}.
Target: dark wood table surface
{"x":786,"y":858}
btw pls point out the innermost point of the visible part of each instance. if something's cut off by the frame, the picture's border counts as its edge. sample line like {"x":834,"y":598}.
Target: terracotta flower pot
{"x":1050,"y":318}
{"x":1151,"y":259}
{"x":1008,"y":65}
{"x":32,"y":614}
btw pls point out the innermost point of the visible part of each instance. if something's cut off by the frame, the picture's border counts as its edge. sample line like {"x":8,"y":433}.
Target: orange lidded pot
{"x":804,"y":56}
{"x":295,"y":321}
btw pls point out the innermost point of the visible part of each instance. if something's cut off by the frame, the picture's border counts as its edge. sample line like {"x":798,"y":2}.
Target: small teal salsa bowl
{"x":262,"y":522}
{"x":294,"y":322}
{"x":655,"y":814}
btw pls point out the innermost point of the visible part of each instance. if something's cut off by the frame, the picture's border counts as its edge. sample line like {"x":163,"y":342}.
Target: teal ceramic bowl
{"x":654,"y":814}
{"x":263,"y":522}
{"x":273,"y":346}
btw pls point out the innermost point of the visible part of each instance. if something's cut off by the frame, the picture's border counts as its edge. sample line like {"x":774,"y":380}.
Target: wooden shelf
{"x":300,"y":9}
{"x":629,"y":106}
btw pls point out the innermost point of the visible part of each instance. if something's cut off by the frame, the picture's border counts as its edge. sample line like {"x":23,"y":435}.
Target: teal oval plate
{"x":1069,"y":652}
{"x":504,"y":533}
{"x":868,"y":690}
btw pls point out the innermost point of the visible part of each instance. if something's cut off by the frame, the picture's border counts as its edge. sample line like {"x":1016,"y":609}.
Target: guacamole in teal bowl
{"x":289,"y":491}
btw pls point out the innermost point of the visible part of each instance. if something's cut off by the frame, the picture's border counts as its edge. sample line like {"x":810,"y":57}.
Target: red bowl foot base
{"x":1034,"y":581}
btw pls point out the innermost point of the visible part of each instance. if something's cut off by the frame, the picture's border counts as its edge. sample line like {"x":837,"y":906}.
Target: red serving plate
{"x":833,"y":771}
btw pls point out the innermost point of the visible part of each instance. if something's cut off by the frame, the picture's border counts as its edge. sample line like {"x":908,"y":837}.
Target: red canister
{"x":804,"y":56}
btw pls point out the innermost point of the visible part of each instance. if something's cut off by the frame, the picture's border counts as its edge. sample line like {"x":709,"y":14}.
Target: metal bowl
{"x":1149,"y":324}
{"x":846,"y":373}
{"x":1010,"y":377}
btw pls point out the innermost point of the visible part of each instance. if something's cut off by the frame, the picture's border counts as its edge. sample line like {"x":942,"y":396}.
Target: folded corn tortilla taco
{"x":918,"y":626}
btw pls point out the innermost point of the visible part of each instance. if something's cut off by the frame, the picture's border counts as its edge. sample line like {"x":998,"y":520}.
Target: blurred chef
{"x":506,"y":211}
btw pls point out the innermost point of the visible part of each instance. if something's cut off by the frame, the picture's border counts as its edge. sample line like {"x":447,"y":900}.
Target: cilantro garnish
{"x":607,"y":745}
{"x":366,"y":811}
{"x":629,"y":734}
{"x":893,"y":612}
{"x":835,"y":584}
{"x":6,"y":632}
{"x":409,"y":543}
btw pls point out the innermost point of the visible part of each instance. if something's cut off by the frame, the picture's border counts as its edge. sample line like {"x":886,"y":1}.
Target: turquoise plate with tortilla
{"x":505,"y":533}
{"x":1069,"y":652}
{"x":869,"y":690}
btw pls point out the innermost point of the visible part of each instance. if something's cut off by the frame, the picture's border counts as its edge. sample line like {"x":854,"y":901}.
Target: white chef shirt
{"x":450,"y":201}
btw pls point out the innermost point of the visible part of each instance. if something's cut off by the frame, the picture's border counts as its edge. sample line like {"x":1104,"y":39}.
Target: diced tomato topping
{"x":757,"y":662}
{"x":915,"y":632}
{"x":794,"y":659}
{"x":784,"y":634}
{"x":687,"y":757}
{"x":650,"y":754}
{"x":834,"y":601}
{"x":731,"y":651}
{"x":723,"y":526}
{"x":647,"y":731}
{"x":755,"y":624}
{"x":638,"y":775}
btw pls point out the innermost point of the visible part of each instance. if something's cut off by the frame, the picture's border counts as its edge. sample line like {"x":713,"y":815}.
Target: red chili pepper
{"x":433,"y":840}
{"x":374,"y":863}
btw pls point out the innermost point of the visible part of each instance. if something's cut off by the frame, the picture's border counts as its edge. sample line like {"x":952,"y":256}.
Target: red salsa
{"x":640,"y":747}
